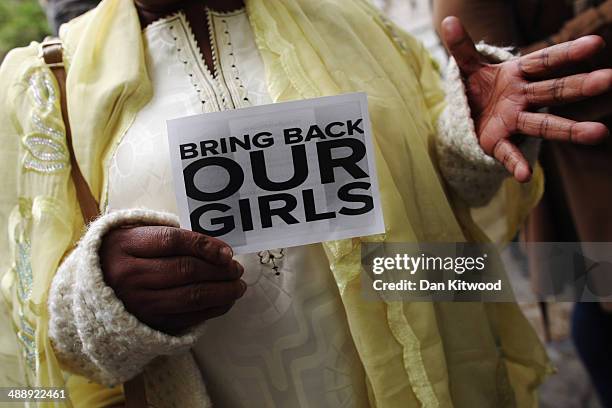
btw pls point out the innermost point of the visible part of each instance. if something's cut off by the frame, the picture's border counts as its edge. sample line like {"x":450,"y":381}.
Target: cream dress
{"x":286,"y":343}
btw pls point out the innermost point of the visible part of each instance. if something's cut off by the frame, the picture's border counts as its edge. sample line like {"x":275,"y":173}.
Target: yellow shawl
{"x":414,"y":354}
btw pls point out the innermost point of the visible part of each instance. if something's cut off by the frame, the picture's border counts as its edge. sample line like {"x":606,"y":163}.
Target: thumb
{"x":460,"y":45}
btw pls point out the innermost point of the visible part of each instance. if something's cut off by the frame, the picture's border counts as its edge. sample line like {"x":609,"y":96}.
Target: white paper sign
{"x":278,"y":175}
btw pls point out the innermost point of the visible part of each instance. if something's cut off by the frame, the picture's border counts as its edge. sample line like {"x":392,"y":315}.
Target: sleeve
{"x":471,"y":174}
{"x":467,"y":169}
{"x":508,"y":200}
{"x":90,"y":329}
{"x":9,"y":155}
{"x":9,"y":140}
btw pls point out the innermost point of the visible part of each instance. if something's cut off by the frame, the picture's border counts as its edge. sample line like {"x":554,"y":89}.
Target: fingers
{"x":550,"y":59}
{"x":512,"y":159}
{"x":171,"y":272}
{"x":155,"y":242}
{"x":194,"y":298}
{"x":569,"y":89}
{"x":553,"y":127}
{"x":460,"y":45}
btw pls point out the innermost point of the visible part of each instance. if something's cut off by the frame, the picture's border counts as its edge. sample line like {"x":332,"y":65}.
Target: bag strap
{"x":53,"y":54}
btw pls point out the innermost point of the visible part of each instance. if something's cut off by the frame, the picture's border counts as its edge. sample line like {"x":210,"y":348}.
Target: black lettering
{"x":260,"y":174}
{"x":349,"y":163}
{"x":354,"y":127}
{"x":263,"y":140}
{"x":209,"y":146}
{"x":344,"y":193}
{"x":283,"y":212}
{"x":244,"y":144}
{"x":223,"y":145}
{"x":188,"y":151}
{"x":245,"y":214}
{"x":233,"y":169}
{"x":329,"y":129}
{"x":314,"y":133}
{"x":310,"y":209}
{"x":227,"y":222}
{"x":292,"y":135}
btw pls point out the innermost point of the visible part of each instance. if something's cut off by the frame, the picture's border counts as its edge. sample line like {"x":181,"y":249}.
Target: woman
{"x":134,"y":293}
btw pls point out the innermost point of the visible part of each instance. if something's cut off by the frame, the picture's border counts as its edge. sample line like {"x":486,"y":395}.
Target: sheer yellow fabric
{"x":38,"y":206}
{"x":414,"y":354}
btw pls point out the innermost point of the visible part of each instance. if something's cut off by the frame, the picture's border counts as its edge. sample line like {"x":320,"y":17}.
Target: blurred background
{"x":23,"y":21}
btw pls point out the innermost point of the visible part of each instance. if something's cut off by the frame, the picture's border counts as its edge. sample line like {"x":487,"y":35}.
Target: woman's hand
{"x":170,"y":278}
{"x":503,"y":96}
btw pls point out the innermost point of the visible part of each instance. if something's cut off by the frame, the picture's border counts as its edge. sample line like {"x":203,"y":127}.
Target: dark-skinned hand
{"x":169,"y":278}
{"x":504,"y":98}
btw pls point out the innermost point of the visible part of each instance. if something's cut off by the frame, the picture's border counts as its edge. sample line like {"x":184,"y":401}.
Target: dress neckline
{"x":208,"y":15}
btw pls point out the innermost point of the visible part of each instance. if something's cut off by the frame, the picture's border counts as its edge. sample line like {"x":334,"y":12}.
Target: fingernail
{"x":522,"y":172}
{"x":244,"y":287}
{"x":226,"y":254}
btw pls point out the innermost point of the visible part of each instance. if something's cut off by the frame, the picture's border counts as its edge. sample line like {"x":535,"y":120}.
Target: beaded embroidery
{"x":42,"y":91}
{"x":45,"y":149}
{"x":26,"y":337}
{"x":23,"y":269}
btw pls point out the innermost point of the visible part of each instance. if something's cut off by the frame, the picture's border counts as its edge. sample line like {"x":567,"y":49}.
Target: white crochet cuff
{"x":467,"y":169}
{"x":91,"y":332}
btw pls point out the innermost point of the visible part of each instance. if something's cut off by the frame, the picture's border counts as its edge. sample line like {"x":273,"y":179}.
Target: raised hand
{"x":170,"y":278}
{"x":503,"y":97}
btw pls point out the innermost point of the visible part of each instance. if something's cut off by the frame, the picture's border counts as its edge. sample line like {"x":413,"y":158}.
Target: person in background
{"x":61,"y":11}
{"x":577,"y":202}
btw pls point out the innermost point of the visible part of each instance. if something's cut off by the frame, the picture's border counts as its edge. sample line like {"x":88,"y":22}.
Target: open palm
{"x":504,"y":97}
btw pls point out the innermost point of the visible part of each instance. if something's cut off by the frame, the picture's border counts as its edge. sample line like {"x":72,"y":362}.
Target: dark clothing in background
{"x":592,"y":334}
{"x":577,"y":201}
{"x":62,"y":11}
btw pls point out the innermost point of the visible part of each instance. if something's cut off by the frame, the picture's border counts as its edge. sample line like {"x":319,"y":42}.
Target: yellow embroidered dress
{"x":413,"y":354}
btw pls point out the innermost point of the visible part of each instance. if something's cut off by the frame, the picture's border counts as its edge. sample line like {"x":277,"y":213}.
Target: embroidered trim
{"x":42,"y":90}
{"x":24,"y":281}
{"x":49,"y":131}
{"x":393,"y":31}
{"x":230,"y":13}
{"x":270,"y":257}
{"x":207,"y":85}
{"x":36,"y":145}
{"x":213,"y":44}
{"x":234,"y":67}
{"x":29,"y":345}
{"x":45,"y":149}
{"x":218,"y":77}
{"x":24,"y":270}
{"x":26,"y":335}
{"x":180,"y":49}
{"x":413,"y":358}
